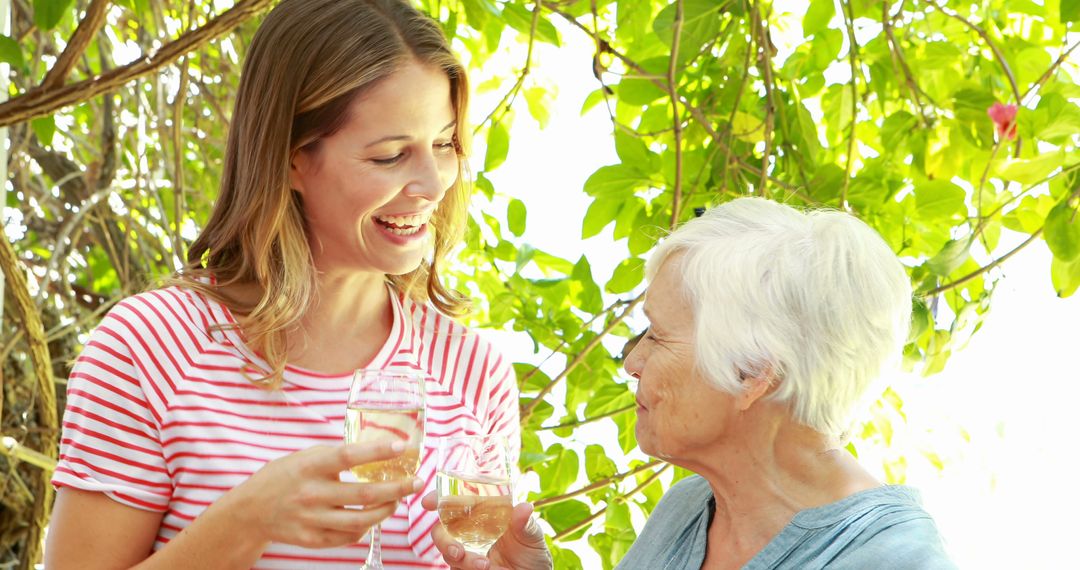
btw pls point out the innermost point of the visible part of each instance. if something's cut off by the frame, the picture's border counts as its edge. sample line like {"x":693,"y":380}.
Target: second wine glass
{"x":386,"y":405}
{"x":474,"y":489}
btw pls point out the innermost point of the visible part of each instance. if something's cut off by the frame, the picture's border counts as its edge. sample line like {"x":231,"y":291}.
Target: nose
{"x":633,"y":363}
{"x":432,"y":176}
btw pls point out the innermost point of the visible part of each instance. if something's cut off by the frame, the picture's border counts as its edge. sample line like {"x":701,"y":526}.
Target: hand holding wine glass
{"x":386,"y":405}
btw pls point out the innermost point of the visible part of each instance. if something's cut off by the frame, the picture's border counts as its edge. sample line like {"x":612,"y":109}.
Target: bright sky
{"x":999,"y":495}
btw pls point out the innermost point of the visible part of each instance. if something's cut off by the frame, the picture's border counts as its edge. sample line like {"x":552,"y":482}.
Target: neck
{"x":770,"y":470}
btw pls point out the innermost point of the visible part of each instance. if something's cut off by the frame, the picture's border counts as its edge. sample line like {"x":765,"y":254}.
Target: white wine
{"x":475,"y":512}
{"x":365,"y":425}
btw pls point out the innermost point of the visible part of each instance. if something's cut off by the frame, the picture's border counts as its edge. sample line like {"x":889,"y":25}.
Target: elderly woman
{"x":767,"y":328}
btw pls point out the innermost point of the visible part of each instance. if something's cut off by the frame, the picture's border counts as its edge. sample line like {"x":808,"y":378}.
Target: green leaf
{"x":818,"y":15}
{"x":1065,"y":276}
{"x":1029,"y":215}
{"x":951,"y":257}
{"x":515,"y":217}
{"x":10,"y":52}
{"x":598,"y":465}
{"x":614,"y":181}
{"x":498,"y":145}
{"x":589,"y":298}
{"x":520,"y":18}
{"x":940,"y":200}
{"x":626,"y":424}
{"x":538,"y":100}
{"x":566,"y":514}
{"x":632,"y":150}
{"x":608,"y":398}
{"x":628,"y":274}
{"x":1070,"y":11}
{"x":44,"y":128}
{"x":48,"y":13}
{"x":1031,"y":170}
{"x":557,"y":475}
{"x":600,"y":213}
{"x":1063,"y":231}
{"x":484,"y":184}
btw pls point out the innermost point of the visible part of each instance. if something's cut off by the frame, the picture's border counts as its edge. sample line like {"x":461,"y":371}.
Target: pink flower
{"x":1004,"y":117}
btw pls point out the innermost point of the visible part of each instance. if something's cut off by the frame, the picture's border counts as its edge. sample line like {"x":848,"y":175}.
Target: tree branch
{"x":673,"y":63}
{"x":89,"y":26}
{"x":1035,"y":235}
{"x":38,"y":101}
{"x":527,"y":410}
{"x":898,"y":58}
{"x":564,"y":342}
{"x":589,"y":420}
{"x":588,"y":521}
{"x":508,"y":100}
{"x":597,"y":485}
{"x":853,"y":58}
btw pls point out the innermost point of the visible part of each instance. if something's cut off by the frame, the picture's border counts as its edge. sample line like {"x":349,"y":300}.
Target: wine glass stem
{"x":374,"y":557}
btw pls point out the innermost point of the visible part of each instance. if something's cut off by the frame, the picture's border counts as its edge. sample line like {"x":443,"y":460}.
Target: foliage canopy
{"x":118,"y":115}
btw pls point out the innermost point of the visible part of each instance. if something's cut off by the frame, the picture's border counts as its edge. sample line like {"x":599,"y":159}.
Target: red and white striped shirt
{"x":161,"y":417}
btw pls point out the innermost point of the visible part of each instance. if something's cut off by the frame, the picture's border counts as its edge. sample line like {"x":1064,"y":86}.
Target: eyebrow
{"x":448,"y":126}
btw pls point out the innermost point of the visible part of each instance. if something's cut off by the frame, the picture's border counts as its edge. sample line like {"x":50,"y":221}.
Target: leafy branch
{"x":528,"y":409}
{"x":507,"y":102}
{"x":622,"y":498}
{"x":597,"y":485}
{"x":676,"y":32}
{"x":591,"y":419}
{"x":40,"y":101}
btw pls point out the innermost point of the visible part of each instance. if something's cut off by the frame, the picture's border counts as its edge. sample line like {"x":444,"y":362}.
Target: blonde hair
{"x":307,"y":62}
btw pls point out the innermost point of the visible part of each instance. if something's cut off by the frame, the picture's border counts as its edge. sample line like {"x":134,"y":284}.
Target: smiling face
{"x":370,"y":189}
{"x":679,"y":412}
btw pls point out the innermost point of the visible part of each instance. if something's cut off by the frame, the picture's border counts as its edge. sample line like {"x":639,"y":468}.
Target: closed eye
{"x":388,"y":161}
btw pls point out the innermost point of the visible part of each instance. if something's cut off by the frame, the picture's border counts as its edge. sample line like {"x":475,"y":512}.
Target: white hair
{"x":815,"y":297}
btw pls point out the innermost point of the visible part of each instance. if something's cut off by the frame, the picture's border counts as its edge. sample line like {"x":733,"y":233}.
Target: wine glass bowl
{"x":474,"y":489}
{"x":386,"y":405}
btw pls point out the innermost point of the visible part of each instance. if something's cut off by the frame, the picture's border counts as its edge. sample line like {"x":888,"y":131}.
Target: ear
{"x":756,"y":387}
{"x":299,"y":165}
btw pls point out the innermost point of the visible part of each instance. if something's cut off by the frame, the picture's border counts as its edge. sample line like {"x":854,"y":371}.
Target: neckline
{"x":400,"y":330}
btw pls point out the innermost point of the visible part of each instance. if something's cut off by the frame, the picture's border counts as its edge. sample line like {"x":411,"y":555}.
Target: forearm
{"x":218,"y":538}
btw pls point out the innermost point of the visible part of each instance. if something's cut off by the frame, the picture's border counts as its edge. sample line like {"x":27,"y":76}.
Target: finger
{"x":373,"y":493}
{"x":338,"y":458}
{"x":356,"y":522}
{"x":524,"y":527}
{"x":452,"y":551}
{"x":430,"y":502}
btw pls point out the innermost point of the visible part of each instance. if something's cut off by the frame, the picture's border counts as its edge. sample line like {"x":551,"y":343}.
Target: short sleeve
{"x":110,"y":442}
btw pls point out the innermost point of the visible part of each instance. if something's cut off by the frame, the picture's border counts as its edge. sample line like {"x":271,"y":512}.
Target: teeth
{"x":406,"y":221}
{"x":400,"y":232}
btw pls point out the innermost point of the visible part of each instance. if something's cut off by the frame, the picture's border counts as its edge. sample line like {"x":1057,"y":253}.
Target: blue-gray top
{"x":881,"y":528}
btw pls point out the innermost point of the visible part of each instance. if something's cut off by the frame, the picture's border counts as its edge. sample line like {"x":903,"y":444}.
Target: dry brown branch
{"x":84,"y":34}
{"x":38,"y":101}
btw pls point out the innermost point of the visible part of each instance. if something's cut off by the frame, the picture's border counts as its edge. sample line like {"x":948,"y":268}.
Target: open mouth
{"x":403,"y":225}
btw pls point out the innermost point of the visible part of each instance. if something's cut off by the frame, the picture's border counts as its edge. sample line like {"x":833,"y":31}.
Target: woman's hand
{"x":522,"y":547}
{"x":299,"y":499}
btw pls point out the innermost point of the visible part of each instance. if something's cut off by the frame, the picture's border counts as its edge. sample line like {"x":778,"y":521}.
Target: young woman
{"x":204,"y":420}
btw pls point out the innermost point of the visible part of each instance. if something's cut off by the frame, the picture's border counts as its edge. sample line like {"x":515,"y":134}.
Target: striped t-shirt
{"x":161,"y":417}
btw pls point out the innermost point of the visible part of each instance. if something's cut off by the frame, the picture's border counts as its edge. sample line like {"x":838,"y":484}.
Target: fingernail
{"x":417,"y":484}
{"x":482,"y":564}
{"x":398,"y":446}
{"x":454,"y":551}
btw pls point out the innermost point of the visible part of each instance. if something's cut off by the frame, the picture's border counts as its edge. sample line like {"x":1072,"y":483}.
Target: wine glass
{"x":474,"y":489}
{"x":386,"y":405}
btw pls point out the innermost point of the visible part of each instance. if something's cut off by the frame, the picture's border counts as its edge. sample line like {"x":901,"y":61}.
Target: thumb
{"x":526,"y":529}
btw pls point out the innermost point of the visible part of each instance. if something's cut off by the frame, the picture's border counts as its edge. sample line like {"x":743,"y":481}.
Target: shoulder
{"x":170,"y":305}
{"x":887,"y":524}
{"x":435,"y":327}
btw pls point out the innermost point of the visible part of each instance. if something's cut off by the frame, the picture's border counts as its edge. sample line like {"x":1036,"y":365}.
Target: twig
{"x":12,"y":448}
{"x":564,"y":342}
{"x":589,"y":520}
{"x":676,"y":31}
{"x":507,"y":101}
{"x":1050,"y":71}
{"x":764,"y":62}
{"x":84,"y":34}
{"x":898,"y":58}
{"x":853,"y":58}
{"x":997,"y":55}
{"x":528,"y":409}
{"x":597,"y":485}
{"x":589,"y":420}
{"x":982,"y":270}
{"x":38,"y":102}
